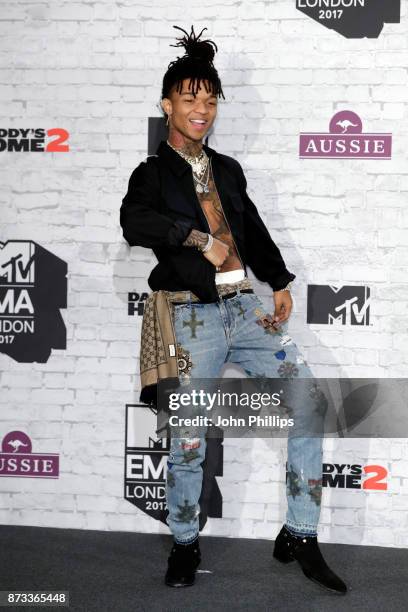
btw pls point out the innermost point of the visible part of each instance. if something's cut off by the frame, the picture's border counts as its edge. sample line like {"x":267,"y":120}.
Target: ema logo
{"x":346,"y":140}
{"x":352,"y":18}
{"x":145,"y":462}
{"x":136,"y":302}
{"x":16,"y":458}
{"x":346,"y":305}
{"x":33,"y":140}
{"x":33,"y":287}
{"x":146,"y":467}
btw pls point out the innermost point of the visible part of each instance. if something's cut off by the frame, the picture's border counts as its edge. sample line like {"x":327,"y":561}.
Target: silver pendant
{"x":199,"y":189}
{"x":206,"y":189}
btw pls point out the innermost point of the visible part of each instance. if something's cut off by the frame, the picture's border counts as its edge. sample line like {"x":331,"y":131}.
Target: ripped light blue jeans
{"x":209,"y":335}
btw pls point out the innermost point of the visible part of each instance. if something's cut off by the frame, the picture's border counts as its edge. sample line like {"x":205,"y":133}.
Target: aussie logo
{"x":352,"y":18}
{"x":33,"y":289}
{"x":34,"y":140}
{"x":345,"y":140}
{"x":17,"y":458}
{"x":344,"y":305}
{"x":146,"y":457}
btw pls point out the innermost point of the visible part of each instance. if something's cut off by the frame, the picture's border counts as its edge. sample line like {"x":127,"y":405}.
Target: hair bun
{"x":201,"y":50}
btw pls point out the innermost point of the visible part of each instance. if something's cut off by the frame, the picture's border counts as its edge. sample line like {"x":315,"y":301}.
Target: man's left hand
{"x":283,"y":306}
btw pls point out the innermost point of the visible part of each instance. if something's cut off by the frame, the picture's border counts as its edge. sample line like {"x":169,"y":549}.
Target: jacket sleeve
{"x":140,"y":220}
{"x":262,"y":255}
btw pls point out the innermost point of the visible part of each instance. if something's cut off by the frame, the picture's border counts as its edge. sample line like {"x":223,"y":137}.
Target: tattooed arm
{"x":197,"y":239}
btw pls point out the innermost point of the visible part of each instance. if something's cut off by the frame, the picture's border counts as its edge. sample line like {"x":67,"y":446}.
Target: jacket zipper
{"x":225,"y":217}
{"x":209,"y":228}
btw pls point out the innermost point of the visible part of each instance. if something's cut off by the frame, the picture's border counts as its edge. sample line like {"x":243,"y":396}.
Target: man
{"x":189,"y":204}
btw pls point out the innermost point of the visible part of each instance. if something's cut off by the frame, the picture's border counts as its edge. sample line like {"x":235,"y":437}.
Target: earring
{"x":167,"y":122}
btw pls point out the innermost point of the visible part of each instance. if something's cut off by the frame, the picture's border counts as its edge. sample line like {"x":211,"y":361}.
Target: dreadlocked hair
{"x":196,"y":64}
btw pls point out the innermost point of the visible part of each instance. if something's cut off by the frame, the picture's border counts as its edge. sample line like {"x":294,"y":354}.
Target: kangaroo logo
{"x":16,"y":440}
{"x":16,"y":444}
{"x":346,"y":121}
{"x":345,"y":124}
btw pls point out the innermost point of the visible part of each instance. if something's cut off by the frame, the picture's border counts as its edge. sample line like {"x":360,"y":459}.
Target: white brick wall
{"x":95,"y":69}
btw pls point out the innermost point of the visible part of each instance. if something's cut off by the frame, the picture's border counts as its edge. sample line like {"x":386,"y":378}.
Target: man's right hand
{"x":218,"y":252}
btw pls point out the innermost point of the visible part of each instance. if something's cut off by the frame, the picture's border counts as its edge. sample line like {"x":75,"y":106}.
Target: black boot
{"x":305,"y":550}
{"x":183,"y":562}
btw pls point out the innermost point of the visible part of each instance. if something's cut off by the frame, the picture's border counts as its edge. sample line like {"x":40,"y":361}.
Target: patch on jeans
{"x":184,"y":361}
{"x":266,"y":321}
{"x":315,"y":490}
{"x":171,"y":481}
{"x":190,"y":444}
{"x":321,"y":400}
{"x":263,"y":378}
{"x":286,"y":339}
{"x":293,"y":482}
{"x":280,"y":355}
{"x":190,"y":455}
{"x":315,"y":392}
{"x":288,"y":370}
{"x":187,"y":512}
{"x":241,"y":310}
{"x":193,"y":323}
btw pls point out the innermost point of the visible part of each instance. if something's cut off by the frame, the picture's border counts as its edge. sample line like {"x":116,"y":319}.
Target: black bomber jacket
{"x":161,"y":207}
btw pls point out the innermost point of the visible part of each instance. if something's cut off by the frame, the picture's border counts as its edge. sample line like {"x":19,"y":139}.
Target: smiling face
{"x":190,"y":115}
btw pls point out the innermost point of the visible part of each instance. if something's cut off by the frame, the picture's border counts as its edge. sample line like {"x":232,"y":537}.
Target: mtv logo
{"x":17,"y":264}
{"x":33,"y":289}
{"x":345,"y":305}
{"x":141,"y":428}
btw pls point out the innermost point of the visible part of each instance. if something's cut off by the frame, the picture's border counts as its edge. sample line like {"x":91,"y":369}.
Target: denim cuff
{"x":186,"y":542}
{"x":302,"y":532}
